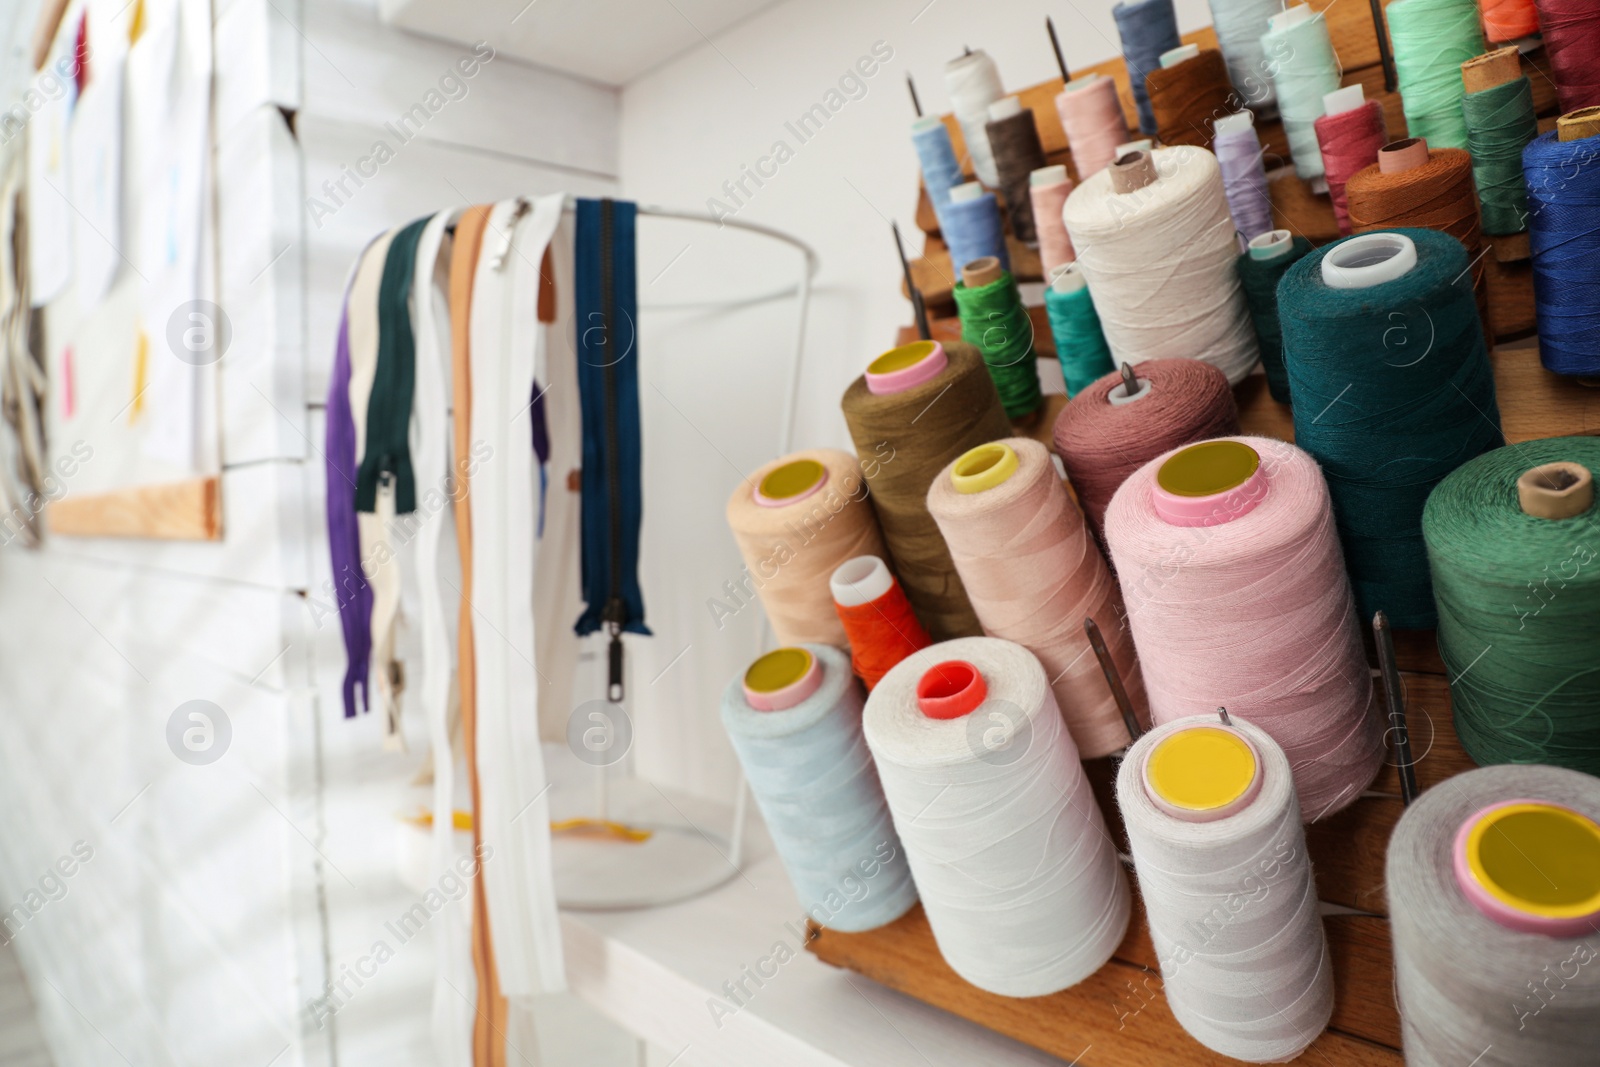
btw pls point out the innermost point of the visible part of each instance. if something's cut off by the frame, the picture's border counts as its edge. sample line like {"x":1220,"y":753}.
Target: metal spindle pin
{"x":918,"y":308}
{"x":915,"y":103}
{"x":1113,"y":679}
{"x":1222,"y":713}
{"x":1055,"y":43}
{"x":1130,"y":381}
{"x":1395,"y":695}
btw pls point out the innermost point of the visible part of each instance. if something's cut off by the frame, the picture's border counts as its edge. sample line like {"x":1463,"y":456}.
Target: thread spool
{"x":904,"y":438}
{"x":1102,"y":436}
{"x":1239,"y":25}
{"x":972,"y":82}
{"x":877,"y":617}
{"x":1431,"y":39}
{"x":994,"y":322}
{"x":1571,"y":30}
{"x":1019,"y":879}
{"x":1147,"y":29}
{"x":1159,"y":260}
{"x":1048,"y":188}
{"x":1498,"y":110}
{"x":1414,"y":184}
{"x":1392,"y":391}
{"x":941,"y":171}
{"x":1080,"y":346}
{"x":1091,"y":116}
{"x":1519,"y":601}
{"x":1034,"y":574}
{"x":1186,"y":96}
{"x":1263,"y":264}
{"x":1509,"y":20}
{"x":1562,"y":173}
{"x":1258,"y":984}
{"x":1249,"y":519}
{"x":1304,"y":70}
{"x":811,"y":774}
{"x":1472,"y":985}
{"x":971,"y":226}
{"x":1350,"y":135}
{"x":1244,"y":175}
{"x":1014,"y":142}
{"x":795,"y":520}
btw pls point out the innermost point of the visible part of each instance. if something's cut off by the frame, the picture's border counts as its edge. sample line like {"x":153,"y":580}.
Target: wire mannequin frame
{"x":731,"y":848}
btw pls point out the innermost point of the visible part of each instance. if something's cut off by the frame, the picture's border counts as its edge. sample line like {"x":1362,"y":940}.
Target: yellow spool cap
{"x":1539,"y":859}
{"x":792,"y":479}
{"x":898,"y":359}
{"x":1201,"y":769}
{"x":983,"y":467}
{"x":1208,"y":468}
{"x":777,"y":670}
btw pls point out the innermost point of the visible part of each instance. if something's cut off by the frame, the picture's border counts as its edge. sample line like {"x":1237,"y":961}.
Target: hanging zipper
{"x":615,"y":613}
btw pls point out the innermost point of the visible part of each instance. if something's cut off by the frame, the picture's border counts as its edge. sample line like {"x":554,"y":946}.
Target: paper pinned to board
{"x":95,"y":146}
{"x":49,"y":214}
{"x":169,"y":96}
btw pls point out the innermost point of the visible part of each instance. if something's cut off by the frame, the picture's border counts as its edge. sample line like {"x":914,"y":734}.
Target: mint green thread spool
{"x":1304,"y":69}
{"x":1431,"y":39}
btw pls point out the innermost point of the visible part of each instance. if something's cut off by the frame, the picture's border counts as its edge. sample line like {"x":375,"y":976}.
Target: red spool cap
{"x":951,"y":689}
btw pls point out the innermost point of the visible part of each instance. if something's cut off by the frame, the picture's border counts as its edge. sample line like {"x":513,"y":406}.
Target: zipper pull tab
{"x":521,"y":208}
{"x":614,"y":616}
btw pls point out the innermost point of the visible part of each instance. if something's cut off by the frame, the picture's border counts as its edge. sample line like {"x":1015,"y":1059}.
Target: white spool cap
{"x":1239,"y":120}
{"x":1067,"y":278}
{"x":1048,"y":175}
{"x":1292,"y":16}
{"x":1319,"y":185}
{"x":1346,"y":99}
{"x":1119,"y":393}
{"x":859,"y":581}
{"x":1172,"y":57}
{"x":1271,"y":245}
{"x":966,"y":191}
{"x":1368,"y":260}
{"x":1004,"y":108}
{"x":1144,"y":144}
{"x":925,"y":122}
{"x":1080,"y":83}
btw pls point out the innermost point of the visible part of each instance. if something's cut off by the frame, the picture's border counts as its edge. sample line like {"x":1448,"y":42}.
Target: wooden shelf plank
{"x":1117,"y":1016}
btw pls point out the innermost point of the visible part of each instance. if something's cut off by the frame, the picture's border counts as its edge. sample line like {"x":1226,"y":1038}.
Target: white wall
{"x":218,"y":896}
{"x":710,"y":407}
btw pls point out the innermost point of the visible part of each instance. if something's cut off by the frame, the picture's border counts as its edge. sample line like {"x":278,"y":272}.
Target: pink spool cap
{"x":1209,"y":484}
{"x":782,"y":679}
{"x":790,"y":482}
{"x":905,"y":367}
{"x":1531,"y":866}
{"x":951,"y":689}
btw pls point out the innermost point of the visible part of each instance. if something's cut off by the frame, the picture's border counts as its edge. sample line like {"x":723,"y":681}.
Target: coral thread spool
{"x":877,"y":617}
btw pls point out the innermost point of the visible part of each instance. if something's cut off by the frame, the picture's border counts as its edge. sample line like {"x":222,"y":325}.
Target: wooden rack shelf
{"x":1118,"y":1017}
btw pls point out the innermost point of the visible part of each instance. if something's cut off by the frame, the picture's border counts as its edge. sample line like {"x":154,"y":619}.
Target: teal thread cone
{"x":1392,"y":391}
{"x":1080,"y":346}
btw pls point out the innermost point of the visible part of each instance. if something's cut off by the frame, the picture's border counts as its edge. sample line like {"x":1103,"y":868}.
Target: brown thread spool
{"x":903,"y":440}
{"x":1014,"y":141}
{"x":1186,"y":98}
{"x":1411,"y":185}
